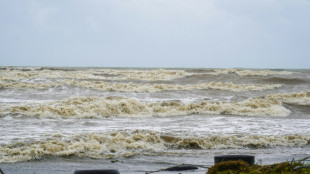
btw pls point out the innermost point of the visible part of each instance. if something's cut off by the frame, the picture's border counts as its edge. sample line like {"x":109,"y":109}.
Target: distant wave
{"x":104,"y":74}
{"x":249,"y":72}
{"x":9,"y":74}
{"x":121,"y":143}
{"x":285,"y":80}
{"x":16,"y":75}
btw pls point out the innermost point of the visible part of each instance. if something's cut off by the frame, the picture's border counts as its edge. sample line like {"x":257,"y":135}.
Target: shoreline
{"x":133,"y":165}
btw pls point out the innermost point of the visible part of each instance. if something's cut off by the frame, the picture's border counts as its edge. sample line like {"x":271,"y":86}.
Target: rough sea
{"x":136,"y":120}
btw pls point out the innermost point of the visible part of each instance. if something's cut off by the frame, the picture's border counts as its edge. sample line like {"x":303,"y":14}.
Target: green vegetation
{"x":241,"y":167}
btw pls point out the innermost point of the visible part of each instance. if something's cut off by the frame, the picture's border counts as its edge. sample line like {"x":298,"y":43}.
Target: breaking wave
{"x":131,"y":87}
{"x":101,"y":107}
{"x":117,"y":144}
{"x":302,"y":98}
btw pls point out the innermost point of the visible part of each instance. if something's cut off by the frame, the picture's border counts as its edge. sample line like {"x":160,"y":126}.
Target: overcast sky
{"x":156,"y":33}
